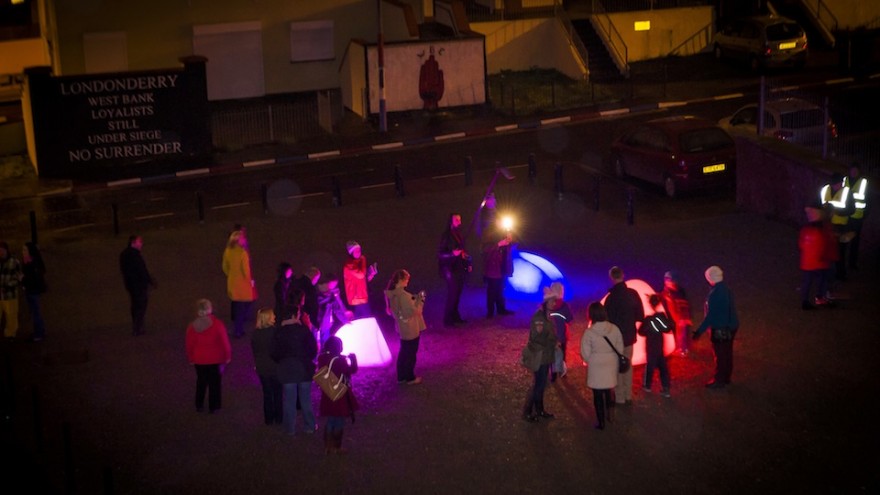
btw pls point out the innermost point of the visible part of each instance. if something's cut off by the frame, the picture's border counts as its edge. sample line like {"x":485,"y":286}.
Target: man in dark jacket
{"x":497,"y":265}
{"x":624,"y":308}
{"x":137,"y":281}
{"x":454,"y":264}
{"x":721,"y":318}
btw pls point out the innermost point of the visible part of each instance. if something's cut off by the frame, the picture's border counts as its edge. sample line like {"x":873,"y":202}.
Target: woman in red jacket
{"x":813,"y":244}
{"x":207,"y":347}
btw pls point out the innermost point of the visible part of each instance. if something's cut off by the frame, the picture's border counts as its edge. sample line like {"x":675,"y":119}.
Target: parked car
{"x":679,"y":153}
{"x":790,"y":119}
{"x":762,"y":42}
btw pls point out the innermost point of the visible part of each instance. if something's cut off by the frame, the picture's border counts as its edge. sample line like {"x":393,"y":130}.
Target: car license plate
{"x":787,"y":46}
{"x":708,"y":169}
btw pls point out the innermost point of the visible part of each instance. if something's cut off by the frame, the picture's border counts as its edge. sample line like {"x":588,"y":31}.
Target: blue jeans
{"x":302,"y":390}
{"x":335,"y":423}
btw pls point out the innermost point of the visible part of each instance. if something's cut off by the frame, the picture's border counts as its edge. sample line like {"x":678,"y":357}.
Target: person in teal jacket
{"x":721,"y":318}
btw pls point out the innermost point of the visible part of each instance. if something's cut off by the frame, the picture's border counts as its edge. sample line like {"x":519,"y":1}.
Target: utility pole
{"x":383,"y":118}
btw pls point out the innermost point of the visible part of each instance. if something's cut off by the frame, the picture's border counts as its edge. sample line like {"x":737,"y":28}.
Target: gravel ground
{"x":800,"y":416}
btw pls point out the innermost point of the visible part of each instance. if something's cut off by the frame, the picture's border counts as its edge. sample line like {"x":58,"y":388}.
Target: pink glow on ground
{"x":364,"y":338}
{"x":645,"y":291}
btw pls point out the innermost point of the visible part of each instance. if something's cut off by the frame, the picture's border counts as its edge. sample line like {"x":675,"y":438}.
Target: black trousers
{"x":406,"y":360}
{"x":602,"y":400}
{"x":723,"y":360}
{"x":138,"y":311}
{"x":273,"y":408}
{"x":208,"y":378}
{"x":494,"y":296}
{"x":454,"y":287}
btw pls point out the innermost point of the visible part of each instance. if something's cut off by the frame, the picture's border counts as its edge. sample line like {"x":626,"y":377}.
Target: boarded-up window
{"x":311,"y":41}
{"x":235,"y":59}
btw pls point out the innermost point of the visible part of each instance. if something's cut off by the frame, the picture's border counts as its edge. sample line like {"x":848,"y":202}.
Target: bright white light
{"x":364,"y":338}
{"x":507,"y":222}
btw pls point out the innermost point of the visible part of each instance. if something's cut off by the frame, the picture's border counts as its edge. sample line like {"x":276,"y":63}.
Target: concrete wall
{"x":159,"y":32}
{"x":669,"y":28}
{"x":777,"y":180}
{"x":527,"y":44}
{"x":850,"y":14}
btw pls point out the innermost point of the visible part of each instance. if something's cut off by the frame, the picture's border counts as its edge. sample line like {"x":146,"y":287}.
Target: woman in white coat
{"x":601,"y":360}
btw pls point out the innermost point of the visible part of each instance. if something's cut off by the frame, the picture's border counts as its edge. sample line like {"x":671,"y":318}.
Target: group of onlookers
{"x":829,"y":241}
{"x":26,"y":276}
{"x":612,"y":333}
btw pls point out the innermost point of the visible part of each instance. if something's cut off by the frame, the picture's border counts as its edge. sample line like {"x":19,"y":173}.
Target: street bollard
{"x":533,"y":168}
{"x":596,"y":181}
{"x":557,"y":181}
{"x":264,"y":198}
{"x":468,"y":171}
{"x":630,"y":215}
{"x":115,"y":210}
{"x":398,"y":182}
{"x":200,"y":204}
{"x":33,"y":218}
{"x":337,"y":191}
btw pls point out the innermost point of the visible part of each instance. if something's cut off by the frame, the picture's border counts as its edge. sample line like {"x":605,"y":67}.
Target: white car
{"x":790,"y":119}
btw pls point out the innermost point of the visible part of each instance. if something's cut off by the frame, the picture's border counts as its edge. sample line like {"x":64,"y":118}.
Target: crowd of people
{"x":829,"y":241}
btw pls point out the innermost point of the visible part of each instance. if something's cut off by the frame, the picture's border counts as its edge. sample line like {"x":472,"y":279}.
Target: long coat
{"x":406,"y":309}
{"x":601,"y":359}
{"x":542,"y":336}
{"x":237,"y":268}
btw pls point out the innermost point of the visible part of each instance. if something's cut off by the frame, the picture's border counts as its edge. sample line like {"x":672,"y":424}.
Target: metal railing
{"x":823,"y":19}
{"x":611,"y":36}
{"x":574,"y":40}
{"x":696,"y":43}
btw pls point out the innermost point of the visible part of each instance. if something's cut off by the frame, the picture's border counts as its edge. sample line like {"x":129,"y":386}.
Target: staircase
{"x":601,"y":65}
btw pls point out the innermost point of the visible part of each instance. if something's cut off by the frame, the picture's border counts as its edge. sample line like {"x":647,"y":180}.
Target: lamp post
{"x":383,"y":118}
{"x":502,"y":171}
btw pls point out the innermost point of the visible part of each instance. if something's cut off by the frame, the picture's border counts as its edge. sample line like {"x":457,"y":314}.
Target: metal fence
{"x":279,"y":119}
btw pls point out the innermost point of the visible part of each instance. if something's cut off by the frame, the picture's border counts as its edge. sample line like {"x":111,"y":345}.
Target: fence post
{"x":630,"y":214}
{"x":513,"y":101}
{"x":552,"y":93}
{"x":264,"y":198}
{"x":533,"y":168}
{"x":398,"y":182}
{"x":557,"y":181}
{"x":115,"y":211}
{"x":337,"y":191}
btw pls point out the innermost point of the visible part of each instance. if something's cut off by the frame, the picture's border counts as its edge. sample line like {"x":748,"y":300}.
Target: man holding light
{"x":497,"y":265}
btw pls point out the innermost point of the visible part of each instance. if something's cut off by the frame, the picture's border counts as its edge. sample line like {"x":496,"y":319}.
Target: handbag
{"x":623,"y":363}
{"x":530,"y":358}
{"x":722,"y":334}
{"x":333,"y":387}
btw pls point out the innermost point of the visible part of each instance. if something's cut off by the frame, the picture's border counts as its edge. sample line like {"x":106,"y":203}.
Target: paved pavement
{"x":801,"y":415}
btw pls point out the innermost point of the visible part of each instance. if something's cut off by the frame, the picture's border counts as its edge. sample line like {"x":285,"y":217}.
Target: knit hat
{"x":351,"y":245}
{"x":555,"y":291}
{"x":714,"y":274}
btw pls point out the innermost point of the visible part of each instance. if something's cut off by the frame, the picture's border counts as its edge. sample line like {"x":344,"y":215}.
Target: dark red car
{"x":679,"y":153}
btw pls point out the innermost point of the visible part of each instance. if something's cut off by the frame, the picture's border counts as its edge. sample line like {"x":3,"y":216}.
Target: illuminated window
{"x":642,"y":25}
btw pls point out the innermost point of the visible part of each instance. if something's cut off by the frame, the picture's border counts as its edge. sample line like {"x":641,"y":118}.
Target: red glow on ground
{"x":645,"y":291}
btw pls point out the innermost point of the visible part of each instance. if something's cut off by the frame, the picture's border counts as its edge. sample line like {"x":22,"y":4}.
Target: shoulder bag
{"x":333,"y":387}
{"x":623,"y":363}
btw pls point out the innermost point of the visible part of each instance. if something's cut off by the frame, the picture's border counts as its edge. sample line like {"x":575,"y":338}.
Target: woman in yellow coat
{"x":239,"y":281}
